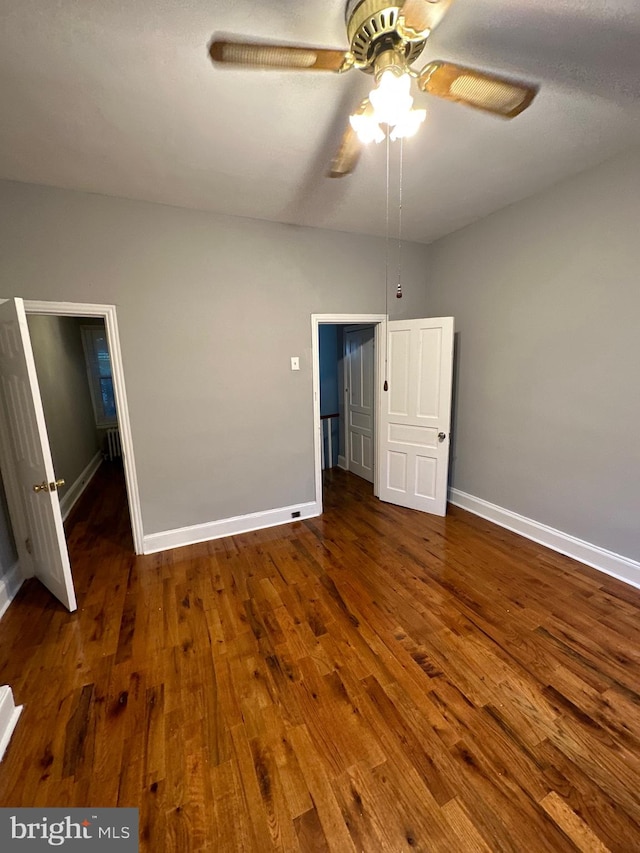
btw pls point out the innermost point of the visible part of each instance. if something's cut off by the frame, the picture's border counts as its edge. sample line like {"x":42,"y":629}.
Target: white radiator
{"x":114,"y":448}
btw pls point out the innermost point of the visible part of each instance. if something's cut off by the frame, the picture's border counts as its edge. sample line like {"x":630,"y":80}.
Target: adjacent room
{"x":320,"y":493}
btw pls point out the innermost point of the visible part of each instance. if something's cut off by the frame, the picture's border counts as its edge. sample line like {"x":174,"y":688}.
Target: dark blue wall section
{"x":328,"y":369}
{"x":329,"y":383}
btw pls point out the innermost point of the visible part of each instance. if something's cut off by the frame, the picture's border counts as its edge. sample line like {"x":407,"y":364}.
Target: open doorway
{"x":347,"y":398}
{"x":411,"y":408}
{"x":80,"y":368}
{"x":348,"y":359}
{"x":75,"y":377}
{"x":104,"y":380}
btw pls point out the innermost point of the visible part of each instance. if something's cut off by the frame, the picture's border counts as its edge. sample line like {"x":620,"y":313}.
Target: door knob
{"x":49,"y":487}
{"x":442,"y":436}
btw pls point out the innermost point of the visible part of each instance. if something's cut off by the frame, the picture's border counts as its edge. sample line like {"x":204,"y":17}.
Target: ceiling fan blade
{"x":422,"y":16}
{"x":347,"y":156}
{"x":489,"y":92}
{"x":349,"y":150}
{"x":280,"y":56}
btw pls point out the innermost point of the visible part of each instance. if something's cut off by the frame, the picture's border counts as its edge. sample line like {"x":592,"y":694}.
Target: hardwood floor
{"x":371,"y":680}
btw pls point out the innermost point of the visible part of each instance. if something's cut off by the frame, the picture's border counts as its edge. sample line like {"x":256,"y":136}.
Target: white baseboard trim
{"x":227,"y":527}
{"x":75,"y":490}
{"x":342,"y":463}
{"x":9,"y":714}
{"x":10,"y":583}
{"x":616,"y":565}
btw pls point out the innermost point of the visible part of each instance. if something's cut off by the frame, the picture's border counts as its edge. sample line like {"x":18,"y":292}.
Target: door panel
{"x":361,"y":420}
{"x":408,"y":434}
{"x":359,"y":361}
{"x":29,"y":446}
{"x":397,"y":472}
{"x":398,"y":367}
{"x":426,"y":476}
{"x":416,"y":414}
{"x":430,"y":352}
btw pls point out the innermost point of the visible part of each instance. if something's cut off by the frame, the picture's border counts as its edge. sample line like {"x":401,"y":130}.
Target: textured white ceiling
{"x":121,"y":98}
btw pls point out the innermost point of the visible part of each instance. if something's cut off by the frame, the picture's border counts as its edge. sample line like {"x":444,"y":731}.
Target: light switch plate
{"x":295,"y":362}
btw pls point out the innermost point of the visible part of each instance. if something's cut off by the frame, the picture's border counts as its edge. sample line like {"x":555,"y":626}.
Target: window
{"x":96,"y":352}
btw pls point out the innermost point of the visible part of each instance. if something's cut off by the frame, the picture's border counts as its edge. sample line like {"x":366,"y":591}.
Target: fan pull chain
{"x":386,"y":276}
{"x":399,"y":287}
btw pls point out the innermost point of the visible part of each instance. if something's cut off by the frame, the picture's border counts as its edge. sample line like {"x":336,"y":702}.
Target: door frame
{"x":379,"y":323}
{"x":108,"y":314}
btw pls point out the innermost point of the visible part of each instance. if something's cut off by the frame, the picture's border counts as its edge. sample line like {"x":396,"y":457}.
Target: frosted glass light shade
{"x":391,"y":105}
{"x":391,"y":99}
{"x":409,"y":124}
{"x":367,"y":128}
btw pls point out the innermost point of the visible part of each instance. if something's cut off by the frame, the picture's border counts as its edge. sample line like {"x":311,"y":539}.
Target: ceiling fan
{"x":385,"y":38}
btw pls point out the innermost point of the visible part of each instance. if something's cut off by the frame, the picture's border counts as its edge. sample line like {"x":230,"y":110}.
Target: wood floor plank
{"x":595,"y":806}
{"x":322,"y":795}
{"x":582,"y":836}
{"x":375,"y":679}
{"x":468,"y":836}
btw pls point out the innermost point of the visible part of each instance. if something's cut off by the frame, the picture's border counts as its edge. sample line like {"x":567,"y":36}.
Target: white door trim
{"x":108,"y":314}
{"x":379,"y":322}
{"x":9,"y":714}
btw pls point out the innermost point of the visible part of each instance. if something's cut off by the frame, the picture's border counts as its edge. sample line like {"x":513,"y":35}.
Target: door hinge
{"x":28,"y":546}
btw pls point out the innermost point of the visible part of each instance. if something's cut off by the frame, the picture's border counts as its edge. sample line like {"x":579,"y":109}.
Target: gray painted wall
{"x":64,"y":388}
{"x":546,"y":296}
{"x":210,"y":309}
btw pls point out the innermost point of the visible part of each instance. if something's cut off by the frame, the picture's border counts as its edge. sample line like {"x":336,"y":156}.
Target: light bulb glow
{"x":390,"y":104}
{"x":367,"y":128}
{"x":409,"y":124}
{"x":391,"y":100}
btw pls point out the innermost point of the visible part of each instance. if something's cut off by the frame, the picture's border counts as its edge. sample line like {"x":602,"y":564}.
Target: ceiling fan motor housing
{"x":372,"y":27}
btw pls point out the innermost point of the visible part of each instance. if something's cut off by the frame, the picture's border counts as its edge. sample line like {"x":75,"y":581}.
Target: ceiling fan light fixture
{"x":385,"y":38}
{"x":391,"y":99}
{"x":409,"y":124}
{"x":367,"y":127}
{"x":390,"y":105}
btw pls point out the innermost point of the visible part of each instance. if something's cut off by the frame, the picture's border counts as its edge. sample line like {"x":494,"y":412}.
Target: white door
{"x":29,"y":448}
{"x":416,"y":414}
{"x":359,"y":390}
